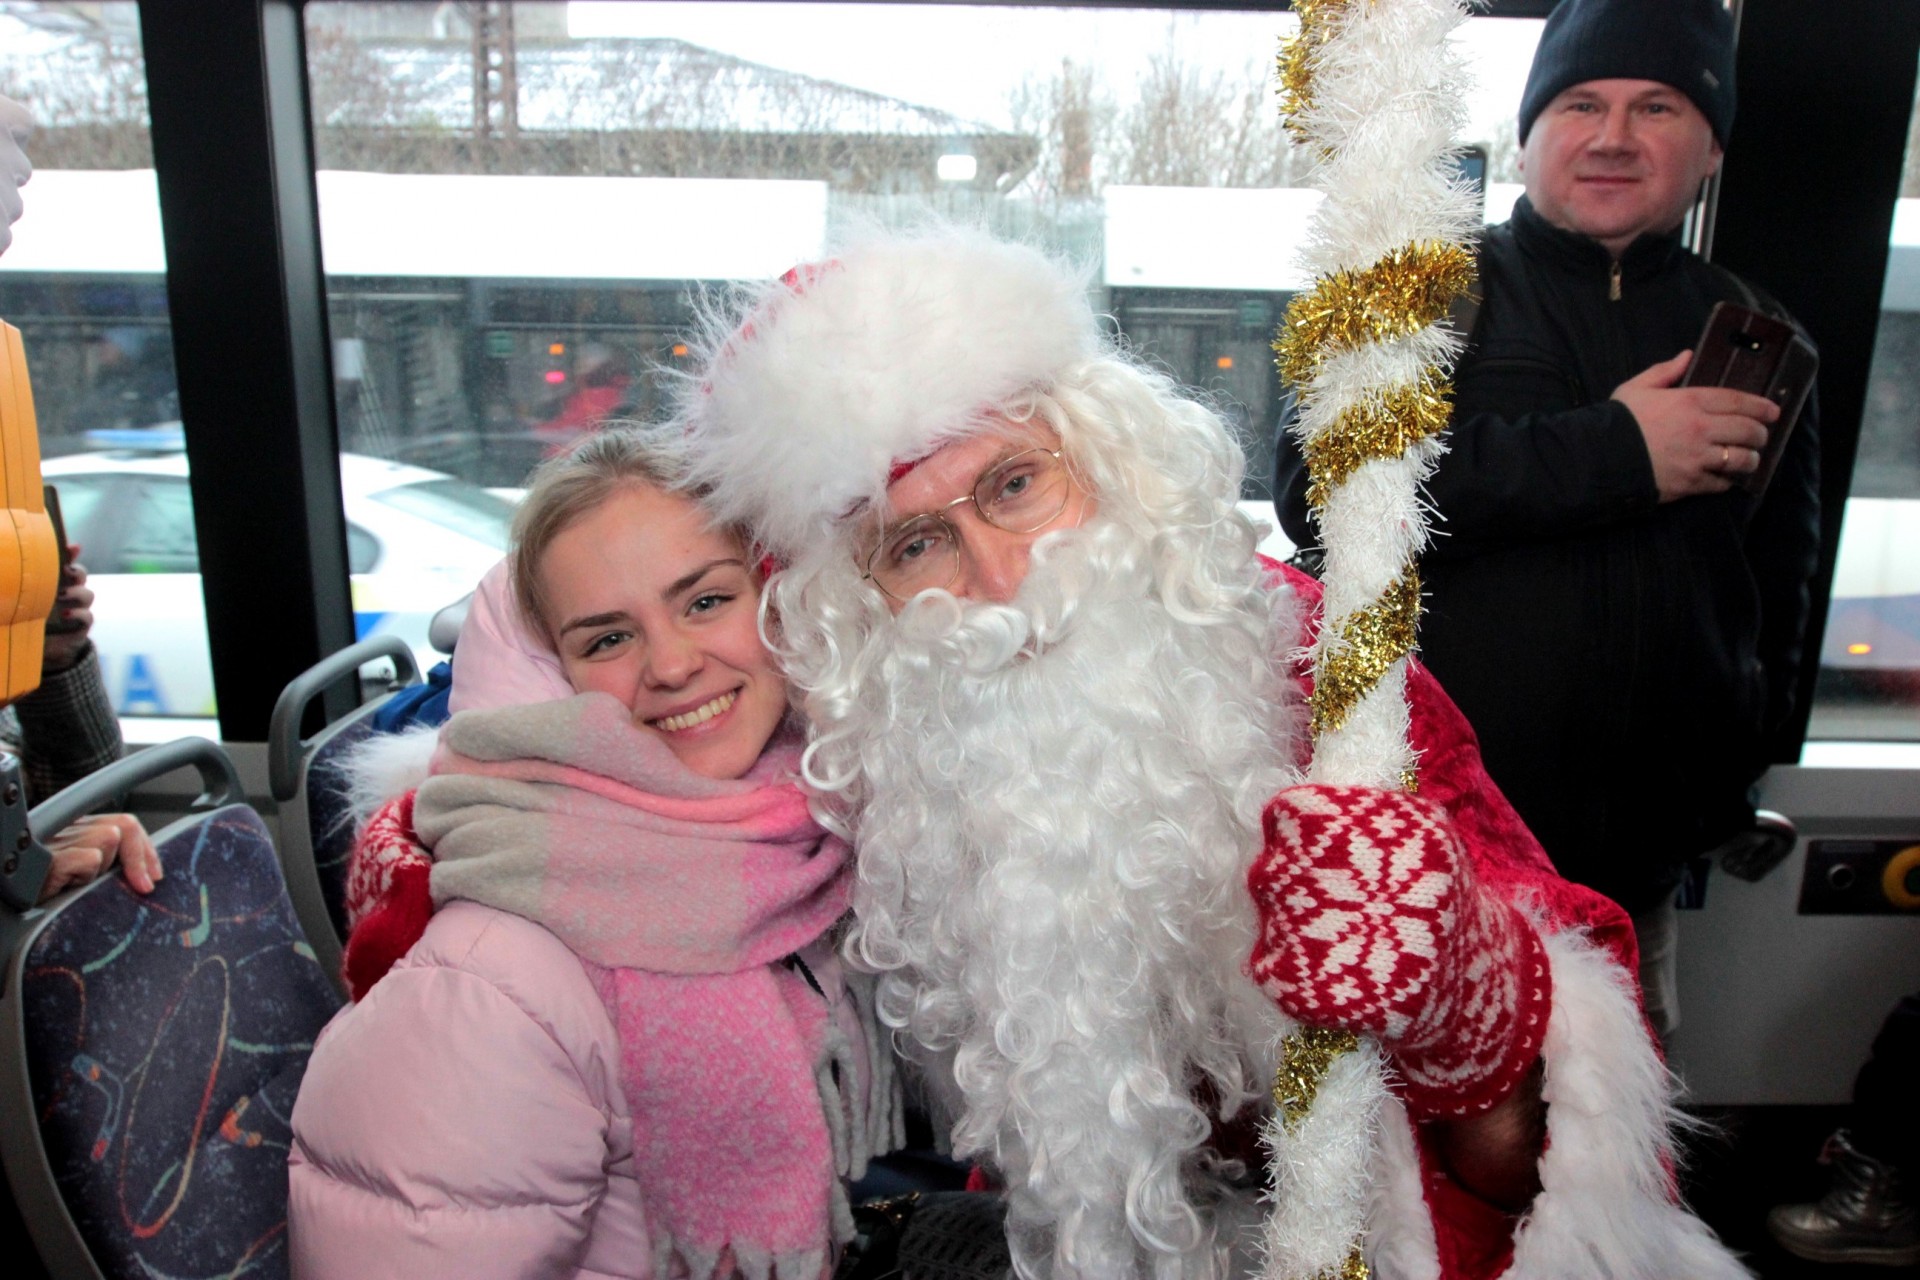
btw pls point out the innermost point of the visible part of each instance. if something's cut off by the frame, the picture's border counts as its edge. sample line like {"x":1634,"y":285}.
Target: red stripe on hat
{"x":798,"y":278}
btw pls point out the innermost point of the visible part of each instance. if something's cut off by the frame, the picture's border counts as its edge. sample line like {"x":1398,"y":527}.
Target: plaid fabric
{"x":65,"y":729}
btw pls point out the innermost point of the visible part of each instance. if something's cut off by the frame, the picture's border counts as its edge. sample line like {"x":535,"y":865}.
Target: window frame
{"x":232,"y":147}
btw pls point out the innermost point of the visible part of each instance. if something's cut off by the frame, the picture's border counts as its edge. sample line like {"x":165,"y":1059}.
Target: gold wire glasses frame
{"x":1017,"y":494}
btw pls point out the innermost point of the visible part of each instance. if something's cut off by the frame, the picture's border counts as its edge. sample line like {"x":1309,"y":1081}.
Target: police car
{"x":416,"y":540}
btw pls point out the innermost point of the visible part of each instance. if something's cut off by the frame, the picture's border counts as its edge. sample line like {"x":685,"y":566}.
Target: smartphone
{"x":57,"y":625}
{"x":1751,"y":351}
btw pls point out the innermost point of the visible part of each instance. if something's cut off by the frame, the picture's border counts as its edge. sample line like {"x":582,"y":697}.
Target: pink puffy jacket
{"x":466,"y":1119}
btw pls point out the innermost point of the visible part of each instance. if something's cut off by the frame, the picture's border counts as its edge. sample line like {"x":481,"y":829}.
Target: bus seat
{"x":444,"y":628}
{"x":307,"y":779}
{"x":154,"y":1045}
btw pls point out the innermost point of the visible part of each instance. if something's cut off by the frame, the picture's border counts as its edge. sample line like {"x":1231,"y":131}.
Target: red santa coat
{"x":1607,"y":1205}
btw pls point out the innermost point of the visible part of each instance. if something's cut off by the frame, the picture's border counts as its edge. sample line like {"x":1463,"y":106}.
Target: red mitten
{"x":1372,"y":920}
{"x":388,"y":898}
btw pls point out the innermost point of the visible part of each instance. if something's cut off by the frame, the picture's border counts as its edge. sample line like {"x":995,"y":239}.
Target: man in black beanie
{"x":1620,"y":620}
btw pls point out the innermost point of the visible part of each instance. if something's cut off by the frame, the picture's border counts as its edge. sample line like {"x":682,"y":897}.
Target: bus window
{"x":513,"y":256}
{"x":85,"y":282}
{"x":1869,"y":683}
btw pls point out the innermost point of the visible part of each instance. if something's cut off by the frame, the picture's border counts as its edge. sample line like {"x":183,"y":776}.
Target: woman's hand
{"x":87,"y":850}
{"x":70,"y":621}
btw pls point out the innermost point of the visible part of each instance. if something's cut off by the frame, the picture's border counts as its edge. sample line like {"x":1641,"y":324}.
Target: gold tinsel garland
{"x":1396,"y":297}
{"x":1304,"y":1059}
{"x":1371,"y":640}
{"x":1319,"y":23}
{"x":1376,"y":429}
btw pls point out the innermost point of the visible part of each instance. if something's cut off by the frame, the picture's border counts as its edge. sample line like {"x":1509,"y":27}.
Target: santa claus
{"x":1056,"y":703}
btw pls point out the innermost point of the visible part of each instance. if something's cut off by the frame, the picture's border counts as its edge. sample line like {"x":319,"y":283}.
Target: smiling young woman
{"x":645,"y":600}
{"x":609,"y":913}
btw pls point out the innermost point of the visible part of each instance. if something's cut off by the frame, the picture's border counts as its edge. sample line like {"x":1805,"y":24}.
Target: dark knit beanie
{"x":1685,"y":43}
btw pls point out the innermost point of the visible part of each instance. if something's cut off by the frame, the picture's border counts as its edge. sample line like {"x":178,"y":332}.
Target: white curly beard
{"x":1061,"y":800}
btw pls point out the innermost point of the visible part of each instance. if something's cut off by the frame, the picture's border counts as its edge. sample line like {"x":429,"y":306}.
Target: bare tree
{"x":1194,"y":128}
{"x":666,"y":109}
{"x":1073,"y":119}
{"x":364,"y":116}
{"x":1184,"y":127}
{"x":392,"y":89}
{"x":90,"y":99}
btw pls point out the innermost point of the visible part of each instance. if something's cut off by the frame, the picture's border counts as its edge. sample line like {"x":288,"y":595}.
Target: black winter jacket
{"x":1621,"y":659}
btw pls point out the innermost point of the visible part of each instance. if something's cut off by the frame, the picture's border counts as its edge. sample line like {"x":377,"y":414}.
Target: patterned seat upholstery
{"x":165,"y":1040}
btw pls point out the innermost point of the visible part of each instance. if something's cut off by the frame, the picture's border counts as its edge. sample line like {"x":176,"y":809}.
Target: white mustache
{"x":1069,"y":572}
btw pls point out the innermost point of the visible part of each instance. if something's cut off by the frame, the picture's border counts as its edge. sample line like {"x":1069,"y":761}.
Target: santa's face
{"x":1061,"y":798}
{"x":946,"y":506}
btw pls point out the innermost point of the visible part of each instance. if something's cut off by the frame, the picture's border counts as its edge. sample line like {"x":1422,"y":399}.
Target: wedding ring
{"x":1724,"y":455}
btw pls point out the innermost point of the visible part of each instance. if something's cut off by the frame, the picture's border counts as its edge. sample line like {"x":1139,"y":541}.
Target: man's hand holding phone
{"x":1699,"y":439}
{"x":71,"y":617}
{"x":1719,"y":416}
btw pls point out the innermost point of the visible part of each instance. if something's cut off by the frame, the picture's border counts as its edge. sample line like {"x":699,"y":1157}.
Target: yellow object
{"x":1372,"y":639}
{"x":29,"y":559}
{"x":1300,"y":59}
{"x":1304,"y":1058}
{"x":1893,"y":881}
{"x":1377,"y":428}
{"x":1405,"y":291}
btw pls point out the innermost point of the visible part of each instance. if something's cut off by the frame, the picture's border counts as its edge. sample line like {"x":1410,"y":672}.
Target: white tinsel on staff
{"x":1376,"y":91}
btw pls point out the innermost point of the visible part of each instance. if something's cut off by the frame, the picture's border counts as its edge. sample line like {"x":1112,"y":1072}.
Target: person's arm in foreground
{"x":443,"y":1131}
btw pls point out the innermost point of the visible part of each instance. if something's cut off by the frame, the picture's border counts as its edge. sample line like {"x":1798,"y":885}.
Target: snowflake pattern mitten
{"x":1372,"y":920}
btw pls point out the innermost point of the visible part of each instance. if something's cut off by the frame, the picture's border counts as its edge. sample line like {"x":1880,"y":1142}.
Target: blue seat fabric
{"x":166,"y":1039}
{"x":329,"y":811}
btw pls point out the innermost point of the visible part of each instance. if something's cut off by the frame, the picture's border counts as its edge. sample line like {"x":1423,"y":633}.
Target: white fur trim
{"x":1400,"y":1239}
{"x":385,"y":765}
{"x":1605,"y":1211}
{"x":890,"y":350}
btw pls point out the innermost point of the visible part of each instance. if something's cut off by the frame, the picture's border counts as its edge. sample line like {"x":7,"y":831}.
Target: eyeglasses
{"x":1018,"y":494}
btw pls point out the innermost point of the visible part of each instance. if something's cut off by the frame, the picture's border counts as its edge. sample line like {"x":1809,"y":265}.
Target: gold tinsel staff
{"x":1371,"y":87}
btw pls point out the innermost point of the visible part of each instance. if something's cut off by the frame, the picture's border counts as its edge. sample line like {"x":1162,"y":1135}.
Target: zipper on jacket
{"x":1613,"y":282}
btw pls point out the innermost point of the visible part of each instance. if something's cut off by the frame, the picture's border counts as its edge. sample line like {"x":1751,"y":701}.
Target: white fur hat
{"x":892,"y":349}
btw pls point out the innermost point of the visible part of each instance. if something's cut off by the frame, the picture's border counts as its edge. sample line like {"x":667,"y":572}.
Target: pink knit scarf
{"x":685,"y":896}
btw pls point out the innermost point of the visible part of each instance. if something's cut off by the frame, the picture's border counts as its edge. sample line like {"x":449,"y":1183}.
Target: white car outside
{"x":417,"y":540}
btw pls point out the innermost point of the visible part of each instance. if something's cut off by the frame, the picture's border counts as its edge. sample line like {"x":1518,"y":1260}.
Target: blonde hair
{"x":563,"y":489}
